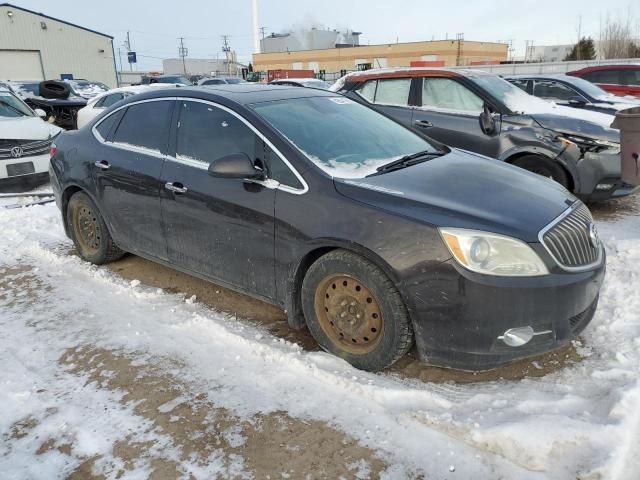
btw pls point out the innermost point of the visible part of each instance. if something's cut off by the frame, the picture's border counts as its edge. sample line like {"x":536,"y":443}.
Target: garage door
{"x":20,"y":65}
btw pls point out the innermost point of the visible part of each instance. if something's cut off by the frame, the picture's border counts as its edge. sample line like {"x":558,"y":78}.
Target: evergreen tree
{"x":583,"y":50}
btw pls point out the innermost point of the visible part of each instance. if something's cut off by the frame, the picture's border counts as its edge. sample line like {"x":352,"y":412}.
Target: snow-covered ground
{"x":579,"y":422}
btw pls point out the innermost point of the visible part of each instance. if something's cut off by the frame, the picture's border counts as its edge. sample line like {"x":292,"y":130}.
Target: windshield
{"x":12,"y":107}
{"x":511,"y":96}
{"x":235,"y":80}
{"x":589,"y":88}
{"x":342,"y":137}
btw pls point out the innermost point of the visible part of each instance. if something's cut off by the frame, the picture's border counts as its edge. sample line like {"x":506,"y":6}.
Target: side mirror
{"x":576,"y":101}
{"x":487,"y":122}
{"x":236,"y":165}
{"x":41,"y":113}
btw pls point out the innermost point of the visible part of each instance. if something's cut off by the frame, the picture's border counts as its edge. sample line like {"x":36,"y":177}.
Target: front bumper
{"x":600,"y":179}
{"x":459,"y":315}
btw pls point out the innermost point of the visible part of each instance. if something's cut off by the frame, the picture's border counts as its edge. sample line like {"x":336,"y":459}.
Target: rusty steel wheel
{"x":355,"y":311}
{"x":89,"y":232}
{"x":349,"y":313}
{"x":86,"y":229}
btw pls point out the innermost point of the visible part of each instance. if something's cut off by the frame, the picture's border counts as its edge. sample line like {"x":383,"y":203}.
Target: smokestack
{"x":254,"y":21}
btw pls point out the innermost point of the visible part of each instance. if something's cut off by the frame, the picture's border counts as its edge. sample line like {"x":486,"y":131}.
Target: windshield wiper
{"x":407,"y":161}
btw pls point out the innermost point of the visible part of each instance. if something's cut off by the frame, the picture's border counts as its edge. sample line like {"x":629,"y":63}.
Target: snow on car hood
{"x":26,"y":128}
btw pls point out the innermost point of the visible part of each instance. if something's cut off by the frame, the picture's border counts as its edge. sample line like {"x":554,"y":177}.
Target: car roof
{"x":539,"y":75}
{"x":242,"y":94}
{"x":403,"y":72}
{"x":593,"y":68}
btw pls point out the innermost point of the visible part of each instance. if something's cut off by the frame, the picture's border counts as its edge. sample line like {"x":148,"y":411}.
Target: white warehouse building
{"x":34,"y":46}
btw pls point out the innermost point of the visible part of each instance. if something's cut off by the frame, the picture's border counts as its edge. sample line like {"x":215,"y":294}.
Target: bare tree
{"x":617,"y":37}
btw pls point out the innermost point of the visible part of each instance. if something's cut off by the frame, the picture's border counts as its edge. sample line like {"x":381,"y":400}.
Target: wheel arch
{"x":293,"y":301}
{"x":67,"y":193}
{"x":513,"y":157}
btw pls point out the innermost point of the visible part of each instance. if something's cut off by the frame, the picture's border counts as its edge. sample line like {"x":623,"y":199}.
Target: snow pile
{"x":578,"y":422}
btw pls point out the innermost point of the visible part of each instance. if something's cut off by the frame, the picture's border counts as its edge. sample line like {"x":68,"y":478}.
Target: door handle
{"x":423,"y":123}
{"x":102,"y":164}
{"x":176,"y":187}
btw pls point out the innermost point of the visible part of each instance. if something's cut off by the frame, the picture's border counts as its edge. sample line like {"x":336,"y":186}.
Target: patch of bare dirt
{"x":269,"y":445}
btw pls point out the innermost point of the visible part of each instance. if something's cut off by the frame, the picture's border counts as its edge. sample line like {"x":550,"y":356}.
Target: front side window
{"x":146,"y":125}
{"x":108,"y":100}
{"x":551,"y":90}
{"x":206,"y":133}
{"x":342,"y":137}
{"x":522,"y":84}
{"x":447,"y":94}
{"x":212,"y":82}
{"x":630,"y":77}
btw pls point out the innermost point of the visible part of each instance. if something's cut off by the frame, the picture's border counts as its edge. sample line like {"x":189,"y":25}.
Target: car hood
{"x":26,"y":128}
{"x":465,"y":190}
{"x":577,"y":126}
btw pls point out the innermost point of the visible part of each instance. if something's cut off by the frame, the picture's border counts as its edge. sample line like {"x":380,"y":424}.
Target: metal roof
{"x":54,"y":19}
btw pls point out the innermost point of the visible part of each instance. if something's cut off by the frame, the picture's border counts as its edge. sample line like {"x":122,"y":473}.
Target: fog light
{"x":517,"y":337}
{"x":604,"y":186}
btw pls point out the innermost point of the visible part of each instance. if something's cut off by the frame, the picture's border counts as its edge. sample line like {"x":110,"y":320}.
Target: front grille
{"x":569,"y":240}
{"x":581,"y":320}
{"x":28,"y":148}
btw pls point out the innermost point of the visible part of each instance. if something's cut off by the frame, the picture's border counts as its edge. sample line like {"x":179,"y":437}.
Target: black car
{"x":485,"y":114}
{"x":362,"y":230}
{"x":572,"y":92}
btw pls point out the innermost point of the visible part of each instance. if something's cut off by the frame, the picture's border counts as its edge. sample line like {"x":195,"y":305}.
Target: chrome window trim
{"x":553,"y":223}
{"x":269,"y":183}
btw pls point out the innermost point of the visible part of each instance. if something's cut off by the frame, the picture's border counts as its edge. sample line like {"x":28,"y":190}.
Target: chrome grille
{"x":568,"y":240}
{"x":29,"y":148}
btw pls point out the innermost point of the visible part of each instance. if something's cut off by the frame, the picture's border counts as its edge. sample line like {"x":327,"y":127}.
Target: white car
{"x":101,"y":102}
{"x":25,"y":139}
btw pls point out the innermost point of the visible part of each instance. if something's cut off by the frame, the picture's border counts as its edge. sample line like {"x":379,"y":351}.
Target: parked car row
{"x":339,"y":208}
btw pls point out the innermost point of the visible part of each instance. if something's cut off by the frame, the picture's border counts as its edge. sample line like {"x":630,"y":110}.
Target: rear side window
{"x":603,"y":76}
{"x":387,"y":91}
{"x":521,"y":84}
{"x":206,"y":133}
{"x":146,"y":125}
{"x":449,"y":95}
{"x":106,"y":126}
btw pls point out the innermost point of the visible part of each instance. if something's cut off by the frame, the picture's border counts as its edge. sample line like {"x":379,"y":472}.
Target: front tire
{"x":545,"y":167}
{"x":354,"y":311}
{"x":89,"y":231}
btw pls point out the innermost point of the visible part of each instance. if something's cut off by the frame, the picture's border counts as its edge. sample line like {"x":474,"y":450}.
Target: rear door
{"x":127,"y":174}
{"x":221,"y":228}
{"x":448,"y":112}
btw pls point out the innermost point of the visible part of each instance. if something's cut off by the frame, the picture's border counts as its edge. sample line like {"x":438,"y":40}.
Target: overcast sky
{"x":156,"y":25}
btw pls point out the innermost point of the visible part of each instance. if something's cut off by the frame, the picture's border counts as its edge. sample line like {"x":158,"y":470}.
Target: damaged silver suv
{"x":483,"y":113}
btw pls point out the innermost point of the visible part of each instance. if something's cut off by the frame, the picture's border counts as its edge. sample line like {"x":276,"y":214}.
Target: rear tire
{"x":354,"y":311}
{"x":545,"y":167}
{"x":89,"y":231}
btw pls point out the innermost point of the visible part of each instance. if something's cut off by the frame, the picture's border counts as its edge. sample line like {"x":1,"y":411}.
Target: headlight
{"x":590,"y":145}
{"x":493,"y":254}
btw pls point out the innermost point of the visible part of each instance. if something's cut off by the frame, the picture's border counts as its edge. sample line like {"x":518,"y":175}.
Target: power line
{"x":183,"y":52}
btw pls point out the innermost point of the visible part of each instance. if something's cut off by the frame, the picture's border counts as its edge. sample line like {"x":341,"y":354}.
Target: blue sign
{"x":131,"y":57}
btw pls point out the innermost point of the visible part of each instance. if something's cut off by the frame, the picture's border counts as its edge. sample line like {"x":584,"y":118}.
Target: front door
{"x":218,"y":227}
{"x":127,"y":169}
{"x":448,"y":112}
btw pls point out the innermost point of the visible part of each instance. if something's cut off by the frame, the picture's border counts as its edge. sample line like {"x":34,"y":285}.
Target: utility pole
{"x":459,"y":39}
{"x":183,"y":52}
{"x":579,"y":33}
{"x":120,"y":60}
{"x":127,"y":44}
{"x":262,"y":29}
{"x":226,"y":48}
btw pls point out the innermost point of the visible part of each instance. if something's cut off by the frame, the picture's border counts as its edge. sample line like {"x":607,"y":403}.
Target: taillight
{"x":52,"y":150}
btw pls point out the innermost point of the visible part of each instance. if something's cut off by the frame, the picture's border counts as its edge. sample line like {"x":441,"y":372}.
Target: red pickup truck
{"x":617,"y":79}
